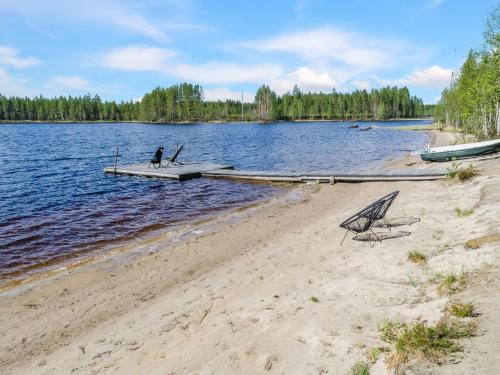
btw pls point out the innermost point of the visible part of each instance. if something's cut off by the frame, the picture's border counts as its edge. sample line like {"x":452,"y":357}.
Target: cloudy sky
{"x":122,"y":49}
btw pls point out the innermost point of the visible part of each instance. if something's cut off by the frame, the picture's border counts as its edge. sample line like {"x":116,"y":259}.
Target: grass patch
{"x":412,"y":281}
{"x":416,"y":256}
{"x":375,"y":353}
{"x":360,"y":368}
{"x":314,"y":299}
{"x":462,"y":310}
{"x":418,"y":341}
{"x":463,"y":213}
{"x":465,"y":174}
{"x":451,"y":283}
{"x":452,"y":170}
{"x":458,"y":171}
{"x":476,"y":243}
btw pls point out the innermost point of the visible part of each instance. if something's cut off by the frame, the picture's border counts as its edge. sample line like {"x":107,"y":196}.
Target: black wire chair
{"x":387,"y":200}
{"x":173,"y":159}
{"x":157,"y":158}
{"x":362,"y":221}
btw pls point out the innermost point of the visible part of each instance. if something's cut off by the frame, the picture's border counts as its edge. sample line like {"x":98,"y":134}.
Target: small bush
{"x":451,"y":283}
{"x":462,"y":310}
{"x":374,"y":353}
{"x":476,"y":243}
{"x":465,"y":174}
{"x":452,"y":170}
{"x":315,"y":299}
{"x":456,"y":170}
{"x":463,"y":213}
{"x":416,"y":256}
{"x":360,"y":368}
{"x":418,"y":341}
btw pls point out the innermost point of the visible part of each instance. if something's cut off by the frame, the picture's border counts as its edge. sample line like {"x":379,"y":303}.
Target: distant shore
{"x":186,"y":122}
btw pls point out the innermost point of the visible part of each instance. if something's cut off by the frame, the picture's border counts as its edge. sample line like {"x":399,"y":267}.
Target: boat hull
{"x":459,"y":154}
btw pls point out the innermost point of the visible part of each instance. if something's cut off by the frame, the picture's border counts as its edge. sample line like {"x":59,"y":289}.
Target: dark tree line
{"x":385,"y":103}
{"x":472,"y":102}
{"x":184,"y":102}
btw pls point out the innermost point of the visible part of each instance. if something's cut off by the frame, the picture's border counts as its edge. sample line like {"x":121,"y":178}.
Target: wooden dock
{"x":193,"y":170}
{"x":331,"y":177}
{"x":184,"y":171}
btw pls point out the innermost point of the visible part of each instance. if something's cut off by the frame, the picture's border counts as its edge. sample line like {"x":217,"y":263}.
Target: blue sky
{"x":123,"y":49}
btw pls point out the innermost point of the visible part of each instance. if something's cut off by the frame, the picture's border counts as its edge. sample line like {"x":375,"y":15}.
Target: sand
{"x":235,"y":295}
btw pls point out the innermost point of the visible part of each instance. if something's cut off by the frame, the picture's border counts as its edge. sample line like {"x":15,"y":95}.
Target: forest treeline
{"x":184,"y":102}
{"x":472,"y":102}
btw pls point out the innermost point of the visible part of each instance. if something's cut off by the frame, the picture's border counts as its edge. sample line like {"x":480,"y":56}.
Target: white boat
{"x":465,"y":150}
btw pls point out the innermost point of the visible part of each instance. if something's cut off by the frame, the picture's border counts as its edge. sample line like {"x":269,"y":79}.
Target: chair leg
{"x":377,"y":238}
{"x":345,"y":235}
{"x":387,"y":223}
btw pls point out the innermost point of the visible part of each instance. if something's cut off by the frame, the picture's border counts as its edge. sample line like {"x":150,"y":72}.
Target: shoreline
{"x":238,"y":299}
{"x":198,"y":122}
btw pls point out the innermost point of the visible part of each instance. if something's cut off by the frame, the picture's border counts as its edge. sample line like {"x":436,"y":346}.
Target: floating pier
{"x":331,"y":177}
{"x":185,"y":171}
{"x":193,"y":170}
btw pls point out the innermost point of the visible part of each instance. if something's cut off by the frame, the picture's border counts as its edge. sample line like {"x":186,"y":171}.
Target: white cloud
{"x":10,"y":56}
{"x":137,"y":58}
{"x":433,"y":77}
{"x":107,"y":12}
{"x":361,"y":84}
{"x":224,"y":93}
{"x":14,"y":86}
{"x":160,"y":60}
{"x":68,"y":82}
{"x":215,"y":72}
{"x":135,"y":23}
{"x":307,"y":79}
{"x":334,"y":45}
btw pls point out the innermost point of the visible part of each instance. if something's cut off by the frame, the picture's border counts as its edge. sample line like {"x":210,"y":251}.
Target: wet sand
{"x":235,"y":297}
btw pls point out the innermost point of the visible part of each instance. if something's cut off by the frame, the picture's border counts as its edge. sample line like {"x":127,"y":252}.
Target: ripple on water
{"x":57,"y":204}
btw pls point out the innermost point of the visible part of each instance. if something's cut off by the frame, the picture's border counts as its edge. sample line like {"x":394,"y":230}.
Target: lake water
{"x":56,"y":203}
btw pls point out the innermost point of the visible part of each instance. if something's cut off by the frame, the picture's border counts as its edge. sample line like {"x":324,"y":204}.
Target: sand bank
{"x":238,"y":298}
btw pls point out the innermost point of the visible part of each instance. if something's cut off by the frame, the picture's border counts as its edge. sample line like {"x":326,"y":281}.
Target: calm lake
{"x":57,"y":204}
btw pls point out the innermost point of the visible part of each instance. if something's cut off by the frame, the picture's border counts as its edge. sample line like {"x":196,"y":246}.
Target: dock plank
{"x":192,"y":170}
{"x":185,"y":171}
{"x":331,"y":176}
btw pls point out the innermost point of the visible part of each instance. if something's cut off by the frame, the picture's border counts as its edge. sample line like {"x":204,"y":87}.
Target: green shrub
{"x":463,"y":213}
{"x":419,"y":341}
{"x":462,"y":310}
{"x":416,"y":256}
{"x":465,"y":174}
{"x":451,"y":283}
{"x":360,"y":368}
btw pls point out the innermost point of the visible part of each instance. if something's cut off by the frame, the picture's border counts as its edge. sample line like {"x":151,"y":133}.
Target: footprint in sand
{"x":270,"y":361}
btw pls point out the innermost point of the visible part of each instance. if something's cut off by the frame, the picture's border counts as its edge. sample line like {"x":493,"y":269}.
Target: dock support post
{"x":332,"y":180}
{"x":116,"y":157}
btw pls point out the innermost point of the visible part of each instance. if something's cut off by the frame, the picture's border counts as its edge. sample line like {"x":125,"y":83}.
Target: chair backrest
{"x":388,"y":199}
{"x":157,"y":156}
{"x":176,"y":155}
{"x":363,"y":220}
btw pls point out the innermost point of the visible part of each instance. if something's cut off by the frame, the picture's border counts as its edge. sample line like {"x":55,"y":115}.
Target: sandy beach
{"x":268,"y":289}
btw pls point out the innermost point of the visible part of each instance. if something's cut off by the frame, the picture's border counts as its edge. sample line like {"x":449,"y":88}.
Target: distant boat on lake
{"x":354,"y":126}
{"x":365,"y":129}
{"x":464,"y":150}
